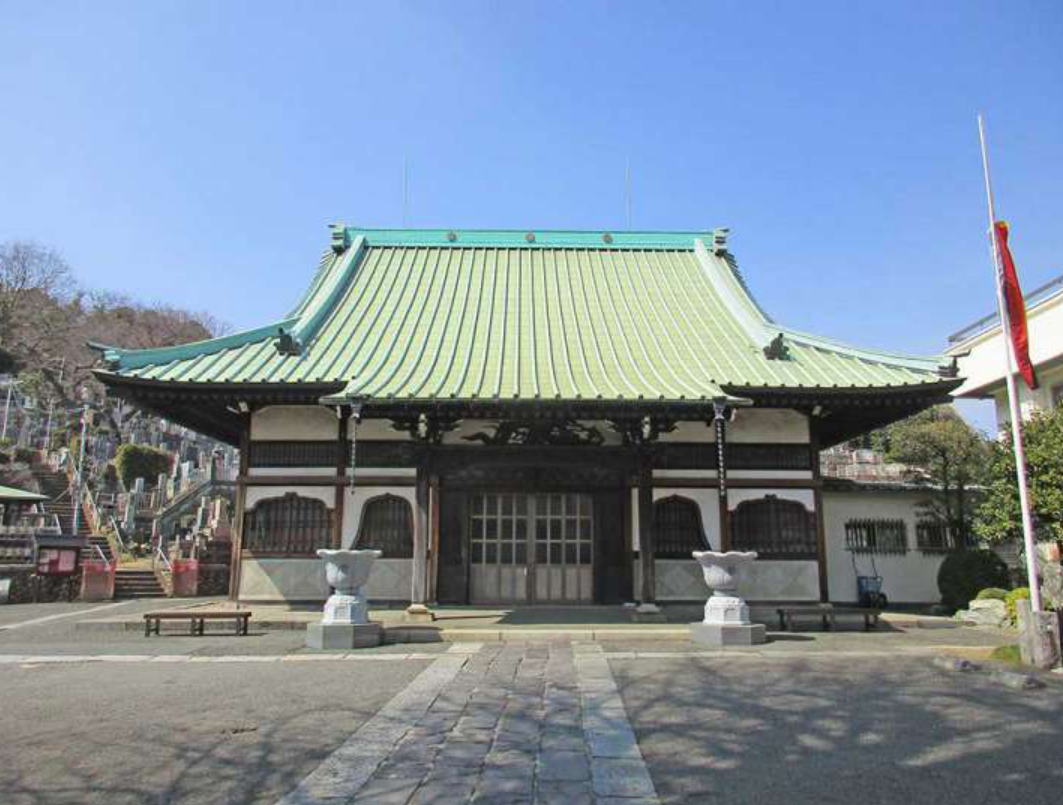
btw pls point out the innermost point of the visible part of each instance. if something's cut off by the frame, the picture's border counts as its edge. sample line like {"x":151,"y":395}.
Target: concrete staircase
{"x":132,"y":583}
{"x":56,"y":487}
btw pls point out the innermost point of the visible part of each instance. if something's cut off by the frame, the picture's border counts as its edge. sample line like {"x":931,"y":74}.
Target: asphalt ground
{"x":813,"y":718}
{"x":806,"y":730}
{"x":209,"y":734}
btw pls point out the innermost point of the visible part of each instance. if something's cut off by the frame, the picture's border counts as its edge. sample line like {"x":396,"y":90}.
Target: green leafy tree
{"x":999,"y":517}
{"x":140,"y":461}
{"x":947,"y":454}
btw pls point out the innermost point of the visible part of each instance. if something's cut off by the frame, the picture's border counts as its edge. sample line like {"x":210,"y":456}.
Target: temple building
{"x":534,"y":417}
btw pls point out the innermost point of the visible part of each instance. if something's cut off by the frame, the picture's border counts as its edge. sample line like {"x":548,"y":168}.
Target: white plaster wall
{"x":682,"y":580}
{"x":768,"y":425}
{"x":690,"y":432}
{"x":379,"y":430}
{"x":907,"y":578}
{"x":983,"y":368}
{"x":294,"y":422}
{"x":326,"y":494}
{"x":266,"y":472}
{"x":294,"y":580}
{"x":1030,"y":401}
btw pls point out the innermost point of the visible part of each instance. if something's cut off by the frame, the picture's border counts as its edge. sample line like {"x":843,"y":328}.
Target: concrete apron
{"x":587,"y":623}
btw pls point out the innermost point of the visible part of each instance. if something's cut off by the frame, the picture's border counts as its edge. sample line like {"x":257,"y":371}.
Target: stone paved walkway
{"x":499,"y":725}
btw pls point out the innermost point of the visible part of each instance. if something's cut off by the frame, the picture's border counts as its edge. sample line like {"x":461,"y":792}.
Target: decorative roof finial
{"x":719,"y":240}
{"x":339,"y":238}
{"x":777,"y":349}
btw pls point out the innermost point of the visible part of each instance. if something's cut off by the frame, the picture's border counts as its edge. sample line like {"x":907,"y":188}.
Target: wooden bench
{"x":828,"y":614}
{"x":196,"y":619}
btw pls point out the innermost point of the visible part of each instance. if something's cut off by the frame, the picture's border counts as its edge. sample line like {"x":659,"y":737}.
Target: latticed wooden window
{"x":774,"y":528}
{"x":677,"y":530}
{"x":387,"y":525}
{"x":871,"y":535}
{"x":288,"y":526}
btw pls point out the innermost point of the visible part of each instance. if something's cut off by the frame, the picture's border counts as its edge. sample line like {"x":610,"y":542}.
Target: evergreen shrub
{"x":1011,"y":603}
{"x":140,"y":461}
{"x":991,"y":594}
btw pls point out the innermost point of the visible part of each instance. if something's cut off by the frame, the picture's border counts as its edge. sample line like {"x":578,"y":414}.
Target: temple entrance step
{"x":137,"y":584}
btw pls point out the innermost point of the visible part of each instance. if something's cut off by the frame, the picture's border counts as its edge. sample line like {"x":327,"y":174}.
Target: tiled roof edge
{"x":125,"y":359}
{"x":318,"y":308}
{"x":919,"y":363}
{"x":526,"y":238}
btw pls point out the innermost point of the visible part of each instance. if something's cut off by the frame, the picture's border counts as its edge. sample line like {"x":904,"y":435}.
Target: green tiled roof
{"x":435,"y":314}
{"x":11,"y":493}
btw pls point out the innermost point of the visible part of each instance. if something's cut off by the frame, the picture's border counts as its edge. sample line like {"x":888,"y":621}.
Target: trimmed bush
{"x":1011,"y":603}
{"x":964,"y":573}
{"x":992,"y":594}
{"x":140,"y":461}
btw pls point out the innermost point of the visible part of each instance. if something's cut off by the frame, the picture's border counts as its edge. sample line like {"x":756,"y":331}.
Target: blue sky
{"x":193,"y":152}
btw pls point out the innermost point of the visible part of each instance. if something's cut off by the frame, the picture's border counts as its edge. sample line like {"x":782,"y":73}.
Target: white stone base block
{"x":722,"y":635}
{"x":343,"y":635}
{"x":648,"y":613}
{"x":418,"y":613}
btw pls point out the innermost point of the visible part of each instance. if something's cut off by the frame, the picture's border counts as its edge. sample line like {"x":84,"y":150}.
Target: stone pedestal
{"x":723,"y":635}
{"x":1039,"y":636}
{"x":418,"y":613}
{"x":648,"y":613}
{"x":343,"y":635}
{"x":345,"y":621}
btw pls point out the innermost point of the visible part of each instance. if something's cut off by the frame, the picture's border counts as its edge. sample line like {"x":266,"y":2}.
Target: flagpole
{"x":1013,"y":398}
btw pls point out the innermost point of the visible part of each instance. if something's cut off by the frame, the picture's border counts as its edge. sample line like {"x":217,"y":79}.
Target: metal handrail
{"x":99,"y":552}
{"x":117,"y":529}
{"x":1034,"y":297}
{"x":160,"y":554}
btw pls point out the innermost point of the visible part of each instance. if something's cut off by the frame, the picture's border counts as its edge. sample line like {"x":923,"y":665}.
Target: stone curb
{"x":407,"y":633}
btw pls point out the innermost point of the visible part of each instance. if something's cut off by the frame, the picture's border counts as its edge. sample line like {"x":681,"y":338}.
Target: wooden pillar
{"x":646,"y":541}
{"x":240,"y":505}
{"x":821,"y":526}
{"x":433,"y":536}
{"x":421,"y":535}
{"x":341,"y":472}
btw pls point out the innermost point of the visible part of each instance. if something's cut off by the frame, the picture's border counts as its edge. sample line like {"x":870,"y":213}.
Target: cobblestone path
{"x":500,"y":725}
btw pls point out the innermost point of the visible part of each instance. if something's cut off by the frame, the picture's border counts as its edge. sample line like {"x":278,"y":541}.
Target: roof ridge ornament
{"x":286,"y":345}
{"x":719,"y":240}
{"x":339,"y":238}
{"x":777,"y":350}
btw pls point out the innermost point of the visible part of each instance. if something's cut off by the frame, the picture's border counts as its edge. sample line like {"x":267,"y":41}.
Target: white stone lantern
{"x":726,"y":620}
{"x":345,"y":622}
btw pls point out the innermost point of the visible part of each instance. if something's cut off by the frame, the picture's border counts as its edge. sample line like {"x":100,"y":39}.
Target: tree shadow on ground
{"x":191,"y":738}
{"x":793,"y":731}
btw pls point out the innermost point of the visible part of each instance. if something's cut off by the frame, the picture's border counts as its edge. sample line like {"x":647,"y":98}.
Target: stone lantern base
{"x":343,"y":635}
{"x":727,"y":624}
{"x":722,"y":635}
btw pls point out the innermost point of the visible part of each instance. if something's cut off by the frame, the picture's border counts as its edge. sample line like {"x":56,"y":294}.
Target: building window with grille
{"x":935,"y":536}
{"x":288,"y":526}
{"x":387,"y":525}
{"x":876,"y":535}
{"x":774,"y":528}
{"x":677,"y":529}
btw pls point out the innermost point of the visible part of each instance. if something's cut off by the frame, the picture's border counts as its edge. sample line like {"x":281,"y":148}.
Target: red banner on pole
{"x":1016,"y":307}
